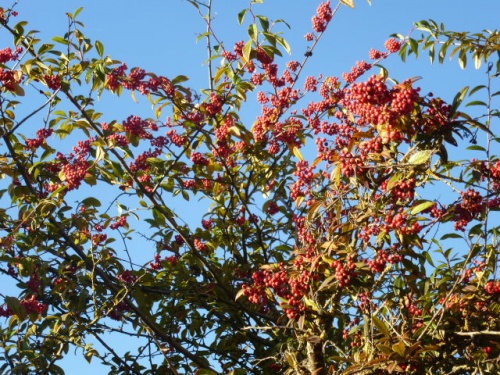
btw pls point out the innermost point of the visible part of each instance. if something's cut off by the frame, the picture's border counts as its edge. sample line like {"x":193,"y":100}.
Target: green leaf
{"x":60,"y":39}
{"x":420,"y":157}
{"x":432,"y":53}
{"x":180,"y":79}
{"x":77,"y":12}
{"x":399,"y":348}
{"x":99,"y":47}
{"x":476,"y":148}
{"x":422,"y":207}
{"x":241,"y":16}
{"x":462,"y":59}
{"x":413,"y":46}
{"x":429,"y":259}
{"x":450,"y":235}
{"x":205,"y":372}
{"x":458,"y":99}
{"x":253,"y":31}
{"x":91,"y":201}
{"x":477,"y":88}
{"x":247,"y":50}
{"x":381,"y":326}
{"x":283,"y":43}
{"x":264,"y":22}
{"x":476,"y":102}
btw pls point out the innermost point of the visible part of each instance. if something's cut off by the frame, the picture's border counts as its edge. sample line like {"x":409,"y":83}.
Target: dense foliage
{"x":372,"y":250}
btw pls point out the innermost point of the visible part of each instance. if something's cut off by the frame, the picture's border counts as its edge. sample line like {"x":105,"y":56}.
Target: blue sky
{"x":160,"y":36}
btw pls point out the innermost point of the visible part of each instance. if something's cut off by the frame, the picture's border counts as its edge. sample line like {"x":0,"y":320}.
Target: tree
{"x":343,"y":262}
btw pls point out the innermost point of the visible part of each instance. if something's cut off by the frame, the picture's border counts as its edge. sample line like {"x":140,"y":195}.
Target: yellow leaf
{"x":296,"y":152}
{"x":234,"y":130}
{"x":349,"y":3}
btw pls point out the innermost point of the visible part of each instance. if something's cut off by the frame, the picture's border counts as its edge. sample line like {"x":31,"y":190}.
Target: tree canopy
{"x":350,"y":228}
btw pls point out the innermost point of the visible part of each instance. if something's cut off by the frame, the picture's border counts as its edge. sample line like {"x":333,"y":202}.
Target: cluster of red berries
{"x":273,"y":208}
{"x":9,"y":79}
{"x":135,"y":80}
{"x":393,"y":45}
{"x":229,"y":56}
{"x":53,"y":82}
{"x":75,"y":173}
{"x":207,"y":224}
{"x":157,"y":265}
{"x":99,"y":238}
{"x":471,"y":206}
{"x":7,"y":54}
{"x":178,"y":140}
{"x":377,"y":55}
{"x":414,"y":310}
{"x":323,"y":16}
{"x":120,"y":222}
{"x":403,"y":98}
{"x":138,"y":127}
{"x":222,"y":132}
{"x":31,"y":306}
{"x":399,"y":221}
{"x":290,"y":289}
{"x":200,"y":245}
{"x":34,"y":283}
{"x":141,"y":161}
{"x":357,"y":71}
{"x":116,"y":313}
{"x":311,"y":84}
{"x":263,"y":57}
{"x":215,"y":106}
{"x":198,"y":159}
{"x":403,"y":190}
{"x":118,"y":139}
{"x":42,"y":135}
{"x":437,"y":115}
{"x":492,"y":287}
{"x":344,"y":272}
{"x":127,"y":277}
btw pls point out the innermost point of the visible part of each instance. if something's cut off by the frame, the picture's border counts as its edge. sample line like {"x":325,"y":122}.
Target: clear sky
{"x":160,"y":36}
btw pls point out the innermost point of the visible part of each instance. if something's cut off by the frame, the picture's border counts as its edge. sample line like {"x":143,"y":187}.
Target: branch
{"x":478,"y":333}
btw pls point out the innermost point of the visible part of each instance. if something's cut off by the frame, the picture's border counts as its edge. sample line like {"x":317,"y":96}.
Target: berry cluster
{"x":468,"y":209}
{"x":7,"y":54}
{"x":323,"y":16}
{"x":377,"y":55}
{"x":42,"y":135}
{"x":34,"y":283}
{"x":120,"y":222}
{"x":357,"y":71}
{"x":176,"y":139}
{"x":127,"y":277}
{"x":137,"y":80}
{"x":200,"y":245}
{"x":138,"y":127}
{"x":10,"y":79}
{"x":53,"y":82}
{"x":31,"y":306}
{"x":393,"y":45}
{"x":344,"y":272}
{"x":157,"y":265}
{"x":273,"y":208}
{"x":99,"y":238}
{"x":492,"y":287}
{"x":198,"y":159}
{"x":116,"y":313}
{"x":403,"y":190}
{"x":75,"y":172}
{"x":291,"y":289}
